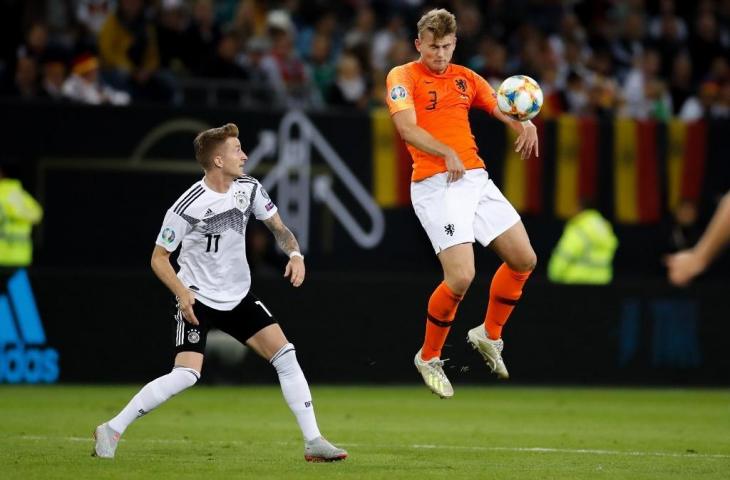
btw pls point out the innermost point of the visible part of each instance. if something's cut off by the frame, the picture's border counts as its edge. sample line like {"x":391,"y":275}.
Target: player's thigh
{"x":446,"y":211}
{"x":250,"y":317}
{"x":514,"y":248}
{"x":458,"y":263}
{"x":192,"y":360}
{"x":188,"y":337}
{"x":494,"y":215}
{"x":267,"y":341}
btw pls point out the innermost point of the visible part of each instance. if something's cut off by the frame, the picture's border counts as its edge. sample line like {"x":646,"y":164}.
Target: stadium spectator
{"x":130,"y":53}
{"x":53,"y":77}
{"x":172,"y":23}
{"x":225,"y":61}
{"x":321,"y":69}
{"x":202,"y":36}
{"x":26,"y":84}
{"x":680,"y":83}
{"x":166,"y":39}
{"x":630,"y":46}
{"x":85,"y":86}
{"x":350,"y":87}
{"x":644,"y":93}
{"x":384,"y":39}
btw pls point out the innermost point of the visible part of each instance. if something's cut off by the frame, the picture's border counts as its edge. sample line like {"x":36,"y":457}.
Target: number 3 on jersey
{"x":212,"y":242}
{"x":433,"y":99}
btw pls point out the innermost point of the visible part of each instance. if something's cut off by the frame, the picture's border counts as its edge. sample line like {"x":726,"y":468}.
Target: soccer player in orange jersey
{"x":452,"y":194}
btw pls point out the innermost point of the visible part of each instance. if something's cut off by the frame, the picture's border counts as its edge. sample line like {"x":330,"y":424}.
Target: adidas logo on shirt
{"x":208,"y":213}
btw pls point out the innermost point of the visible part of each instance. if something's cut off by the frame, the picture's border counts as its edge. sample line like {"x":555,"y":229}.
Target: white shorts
{"x":469,"y":209}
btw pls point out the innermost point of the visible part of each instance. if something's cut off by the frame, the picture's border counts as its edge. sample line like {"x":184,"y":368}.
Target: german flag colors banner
{"x":523,"y":182}
{"x":576,"y":160}
{"x":391,"y":163}
{"x":643,"y":168}
{"x":636,"y":174}
{"x":686,"y":153}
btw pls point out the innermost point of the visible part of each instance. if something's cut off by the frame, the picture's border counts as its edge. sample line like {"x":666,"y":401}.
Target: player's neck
{"x":431,"y":71}
{"x":217,"y":182}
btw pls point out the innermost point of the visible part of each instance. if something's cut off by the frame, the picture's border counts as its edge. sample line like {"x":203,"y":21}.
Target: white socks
{"x":153,"y":395}
{"x":293,"y":385}
{"x":296,"y":390}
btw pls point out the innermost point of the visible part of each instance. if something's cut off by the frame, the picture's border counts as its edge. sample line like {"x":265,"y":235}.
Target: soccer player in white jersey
{"x":212,"y":288}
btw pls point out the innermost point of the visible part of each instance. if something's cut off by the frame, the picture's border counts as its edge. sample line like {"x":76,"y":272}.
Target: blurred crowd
{"x":638,"y":58}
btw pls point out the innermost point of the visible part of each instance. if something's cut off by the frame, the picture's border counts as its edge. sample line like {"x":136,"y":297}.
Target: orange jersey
{"x":442,"y":104}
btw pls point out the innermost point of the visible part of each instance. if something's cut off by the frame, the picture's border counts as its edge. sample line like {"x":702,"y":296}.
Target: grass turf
{"x":390,"y":432}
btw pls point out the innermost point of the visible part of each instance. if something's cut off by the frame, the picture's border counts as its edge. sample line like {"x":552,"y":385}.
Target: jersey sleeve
{"x":485,"y":97}
{"x":174,"y":228}
{"x":263,"y":206}
{"x":399,"y":85}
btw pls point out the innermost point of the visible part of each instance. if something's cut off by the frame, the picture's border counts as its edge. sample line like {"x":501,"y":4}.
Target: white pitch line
{"x":585,"y":451}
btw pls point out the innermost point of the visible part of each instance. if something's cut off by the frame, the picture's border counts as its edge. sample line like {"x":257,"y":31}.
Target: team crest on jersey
{"x":168,"y":235}
{"x":398,"y":93}
{"x":193,"y":336}
{"x":241,"y":200}
{"x":461,"y":84}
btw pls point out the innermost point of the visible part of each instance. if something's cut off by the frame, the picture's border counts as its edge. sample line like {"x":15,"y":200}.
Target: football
{"x":519,"y":97}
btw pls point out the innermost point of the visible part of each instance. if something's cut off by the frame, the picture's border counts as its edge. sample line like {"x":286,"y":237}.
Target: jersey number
{"x":433,"y":100}
{"x":210,"y":238}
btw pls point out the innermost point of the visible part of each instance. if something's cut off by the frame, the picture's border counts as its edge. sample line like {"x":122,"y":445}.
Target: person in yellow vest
{"x":584,"y":254}
{"x":19,"y":211}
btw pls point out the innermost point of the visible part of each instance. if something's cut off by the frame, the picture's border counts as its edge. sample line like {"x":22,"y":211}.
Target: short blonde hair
{"x":440,"y":22}
{"x":208,"y":141}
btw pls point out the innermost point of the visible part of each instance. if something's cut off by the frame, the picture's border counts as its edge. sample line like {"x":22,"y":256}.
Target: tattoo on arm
{"x":284,"y":238}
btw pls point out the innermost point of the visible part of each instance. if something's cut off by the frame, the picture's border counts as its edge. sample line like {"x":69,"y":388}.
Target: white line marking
{"x":585,"y":451}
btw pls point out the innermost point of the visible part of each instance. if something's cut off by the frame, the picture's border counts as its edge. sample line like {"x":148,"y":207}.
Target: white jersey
{"x":211,"y":227}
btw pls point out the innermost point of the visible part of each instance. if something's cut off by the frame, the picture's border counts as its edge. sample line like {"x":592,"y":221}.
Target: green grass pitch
{"x":390,"y":432}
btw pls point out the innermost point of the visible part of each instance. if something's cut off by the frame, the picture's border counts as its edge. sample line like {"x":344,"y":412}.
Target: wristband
{"x":296,"y":254}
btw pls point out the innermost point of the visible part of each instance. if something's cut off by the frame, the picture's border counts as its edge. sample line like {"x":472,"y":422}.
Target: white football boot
{"x":320,"y":450}
{"x":106,"y":441}
{"x":433,"y":375}
{"x":490,"y":349}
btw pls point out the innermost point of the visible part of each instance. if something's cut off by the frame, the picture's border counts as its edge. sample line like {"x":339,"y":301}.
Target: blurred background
{"x":101,"y":100}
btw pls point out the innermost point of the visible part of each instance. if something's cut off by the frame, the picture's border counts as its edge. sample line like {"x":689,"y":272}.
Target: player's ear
{"x":418,"y":44}
{"x":218,"y":161}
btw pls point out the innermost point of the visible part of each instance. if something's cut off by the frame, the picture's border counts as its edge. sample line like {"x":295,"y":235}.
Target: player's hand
{"x":454,"y":166}
{"x":683,"y":267}
{"x":295,"y":270}
{"x":185,"y":303}
{"x":526,"y":141}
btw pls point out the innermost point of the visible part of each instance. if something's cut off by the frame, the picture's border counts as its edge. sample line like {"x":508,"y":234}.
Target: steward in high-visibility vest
{"x":19,"y":211}
{"x":584,"y":254}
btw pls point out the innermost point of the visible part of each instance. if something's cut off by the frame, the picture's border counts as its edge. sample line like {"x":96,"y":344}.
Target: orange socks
{"x":441,"y":312}
{"x":504,"y":293}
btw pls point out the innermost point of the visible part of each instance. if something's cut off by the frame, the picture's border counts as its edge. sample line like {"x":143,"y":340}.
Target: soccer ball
{"x":519,"y":97}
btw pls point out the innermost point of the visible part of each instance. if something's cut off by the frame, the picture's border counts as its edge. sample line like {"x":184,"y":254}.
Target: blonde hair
{"x":208,"y":141}
{"x":440,"y":22}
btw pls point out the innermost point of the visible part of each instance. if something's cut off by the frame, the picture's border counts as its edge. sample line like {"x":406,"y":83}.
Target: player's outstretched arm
{"x":163,"y":269}
{"x":288,"y":243}
{"x":526,"y":141}
{"x":685,"y":265}
{"x":410,"y":132}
